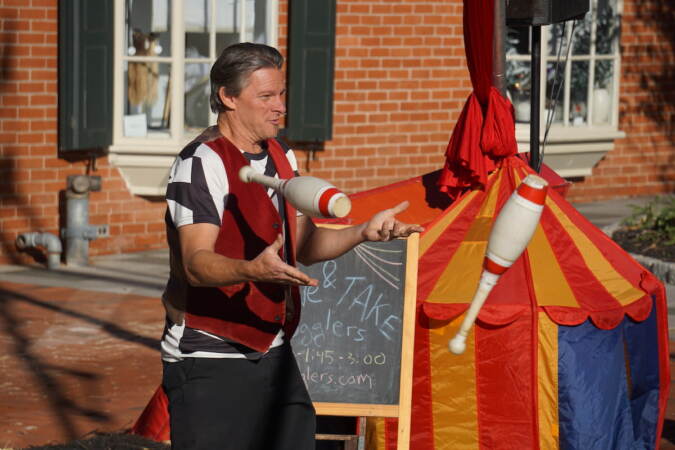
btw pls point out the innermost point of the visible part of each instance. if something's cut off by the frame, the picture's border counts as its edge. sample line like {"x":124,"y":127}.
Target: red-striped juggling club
{"x":312,"y":196}
{"x":512,"y":231}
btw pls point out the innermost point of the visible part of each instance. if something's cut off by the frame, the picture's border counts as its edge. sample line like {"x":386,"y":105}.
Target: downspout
{"x":46,"y":240}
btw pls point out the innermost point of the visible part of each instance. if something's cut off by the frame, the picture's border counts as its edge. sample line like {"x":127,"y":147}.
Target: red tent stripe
{"x":640,"y":310}
{"x":505,"y":413}
{"x":616,"y":256}
{"x":589,"y":292}
{"x":664,"y":356}
{"x":534,"y":314}
{"x":422,"y":420}
{"x":564,"y":315}
{"x":433,"y":262}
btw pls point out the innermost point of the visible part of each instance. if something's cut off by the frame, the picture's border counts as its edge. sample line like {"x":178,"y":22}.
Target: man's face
{"x":260,"y":107}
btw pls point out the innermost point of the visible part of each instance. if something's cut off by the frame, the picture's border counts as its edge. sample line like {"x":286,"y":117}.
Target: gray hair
{"x":234,"y":66}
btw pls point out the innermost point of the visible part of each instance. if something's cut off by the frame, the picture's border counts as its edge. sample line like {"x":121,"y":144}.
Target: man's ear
{"x":227,"y":100}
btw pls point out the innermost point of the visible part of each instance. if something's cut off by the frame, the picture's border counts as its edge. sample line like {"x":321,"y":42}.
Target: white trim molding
{"x":571,"y":151}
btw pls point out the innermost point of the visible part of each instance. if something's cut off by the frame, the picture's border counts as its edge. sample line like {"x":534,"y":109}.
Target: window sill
{"x":144,"y":165}
{"x":144,"y":162}
{"x":572,"y":151}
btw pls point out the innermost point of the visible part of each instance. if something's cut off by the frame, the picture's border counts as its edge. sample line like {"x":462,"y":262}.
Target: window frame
{"x":588,"y":142}
{"x":171,"y":142}
{"x":144,"y":163}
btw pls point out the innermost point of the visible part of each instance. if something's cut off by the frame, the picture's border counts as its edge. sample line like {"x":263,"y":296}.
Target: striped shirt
{"x":197,"y":192}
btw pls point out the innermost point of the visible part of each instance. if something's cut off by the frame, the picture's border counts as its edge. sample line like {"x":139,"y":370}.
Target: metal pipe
{"x":498,"y":51}
{"x":77,"y":223}
{"x":535,"y":95}
{"x":46,"y":240}
{"x":78,"y":232}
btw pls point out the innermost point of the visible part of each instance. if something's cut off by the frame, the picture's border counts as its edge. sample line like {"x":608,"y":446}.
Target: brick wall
{"x":31,"y":175}
{"x":400,"y":83}
{"x":643,"y":162}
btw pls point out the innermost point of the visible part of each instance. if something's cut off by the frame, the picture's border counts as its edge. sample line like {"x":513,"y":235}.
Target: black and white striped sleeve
{"x":197,"y":187}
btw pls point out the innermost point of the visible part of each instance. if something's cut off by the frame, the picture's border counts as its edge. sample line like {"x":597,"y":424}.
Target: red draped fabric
{"x":485,"y":131}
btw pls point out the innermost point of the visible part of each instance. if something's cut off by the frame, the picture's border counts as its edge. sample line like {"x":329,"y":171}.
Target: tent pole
{"x":535,"y":76}
{"x":498,"y":52}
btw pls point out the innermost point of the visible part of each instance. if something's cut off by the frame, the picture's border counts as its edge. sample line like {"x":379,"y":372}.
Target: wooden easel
{"x":402,"y":411}
{"x":351,"y":441}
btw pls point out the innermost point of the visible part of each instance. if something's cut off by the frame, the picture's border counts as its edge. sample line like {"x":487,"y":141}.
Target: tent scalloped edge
{"x":505,"y":314}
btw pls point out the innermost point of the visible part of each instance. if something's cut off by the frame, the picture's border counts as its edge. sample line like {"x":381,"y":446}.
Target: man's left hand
{"x":384,"y":226}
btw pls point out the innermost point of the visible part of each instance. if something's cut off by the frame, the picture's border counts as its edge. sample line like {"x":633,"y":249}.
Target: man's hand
{"x":268,"y":267}
{"x":384,"y":226}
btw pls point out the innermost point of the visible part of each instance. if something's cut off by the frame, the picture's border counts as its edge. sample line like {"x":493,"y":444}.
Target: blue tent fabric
{"x":642,"y":348}
{"x":594,"y":407}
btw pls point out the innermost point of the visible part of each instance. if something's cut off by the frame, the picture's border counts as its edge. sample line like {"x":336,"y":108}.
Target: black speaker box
{"x":543,"y":12}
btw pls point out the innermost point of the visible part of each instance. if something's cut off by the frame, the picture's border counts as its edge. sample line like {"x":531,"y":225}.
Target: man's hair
{"x":234,"y":66}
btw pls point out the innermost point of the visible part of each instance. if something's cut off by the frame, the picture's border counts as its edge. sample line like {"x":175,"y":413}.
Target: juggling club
{"x":512,"y":231}
{"x":310,"y":195}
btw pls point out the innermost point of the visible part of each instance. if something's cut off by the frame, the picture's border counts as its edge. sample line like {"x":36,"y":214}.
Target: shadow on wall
{"x":13,"y":205}
{"x":52,"y":379}
{"x":658,"y":84}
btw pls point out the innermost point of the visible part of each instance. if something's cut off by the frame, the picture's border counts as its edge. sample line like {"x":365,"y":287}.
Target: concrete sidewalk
{"x":142,"y":273}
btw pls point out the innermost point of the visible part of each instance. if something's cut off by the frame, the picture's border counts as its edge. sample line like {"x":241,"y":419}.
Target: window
{"x":583,"y":100}
{"x":164,"y":50}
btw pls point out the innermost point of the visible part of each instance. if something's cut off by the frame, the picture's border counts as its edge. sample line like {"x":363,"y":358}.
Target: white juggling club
{"x":310,"y":195}
{"x":512,"y":231}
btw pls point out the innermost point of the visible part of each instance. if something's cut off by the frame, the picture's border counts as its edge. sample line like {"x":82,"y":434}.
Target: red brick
{"x":43,"y":75}
{"x":46,"y":26}
{"x":44,"y":51}
{"x":29,"y":13}
{"x":15,"y":100}
{"x":31,"y":113}
{"x":15,"y":25}
{"x":32,"y":138}
{"x":32,"y":38}
{"x":51,"y":4}
{"x":31,"y":87}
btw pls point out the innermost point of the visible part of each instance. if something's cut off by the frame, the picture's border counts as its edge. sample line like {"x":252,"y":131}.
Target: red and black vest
{"x":249,"y":313}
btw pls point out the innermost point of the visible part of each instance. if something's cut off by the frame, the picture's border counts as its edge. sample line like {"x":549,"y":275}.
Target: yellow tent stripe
{"x":438,"y":228}
{"x":547,"y":368}
{"x":550,"y":285}
{"x":624,"y":292}
{"x":375,"y":435}
{"x":488,"y":209}
{"x":453,"y":389}
{"x":459,"y":279}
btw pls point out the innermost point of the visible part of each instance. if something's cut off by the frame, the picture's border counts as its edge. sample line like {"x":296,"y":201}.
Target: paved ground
{"x":73,"y":361}
{"x":78,"y":347}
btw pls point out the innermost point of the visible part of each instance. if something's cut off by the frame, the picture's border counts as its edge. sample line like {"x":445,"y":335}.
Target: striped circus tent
{"x":569,"y":351}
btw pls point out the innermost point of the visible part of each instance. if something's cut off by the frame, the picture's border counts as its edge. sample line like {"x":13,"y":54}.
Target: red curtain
{"x":485,"y":131}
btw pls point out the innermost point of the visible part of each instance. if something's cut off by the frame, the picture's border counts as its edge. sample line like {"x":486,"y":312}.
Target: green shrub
{"x":655,"y":221}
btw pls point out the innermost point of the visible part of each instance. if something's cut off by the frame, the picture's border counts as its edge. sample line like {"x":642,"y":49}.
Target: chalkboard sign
{"x":354,"y":342}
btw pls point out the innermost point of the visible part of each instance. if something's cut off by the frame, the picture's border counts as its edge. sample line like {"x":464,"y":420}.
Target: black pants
{"x":239,"y":404}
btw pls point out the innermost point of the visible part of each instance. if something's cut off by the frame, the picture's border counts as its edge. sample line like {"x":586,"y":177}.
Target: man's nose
{"x":280,"y":105}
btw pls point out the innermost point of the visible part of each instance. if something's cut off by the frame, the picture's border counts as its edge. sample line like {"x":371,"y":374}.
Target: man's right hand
{"x":204,"y":267}
{"x":269,"y":267}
